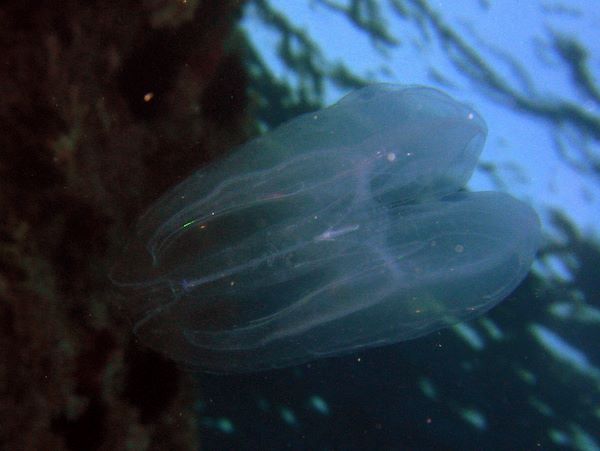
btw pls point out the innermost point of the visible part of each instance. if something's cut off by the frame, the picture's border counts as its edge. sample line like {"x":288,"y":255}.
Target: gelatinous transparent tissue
{"x":340,"y":230}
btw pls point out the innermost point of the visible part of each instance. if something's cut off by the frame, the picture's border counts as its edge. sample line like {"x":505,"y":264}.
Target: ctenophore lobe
{"x":340,"y":230}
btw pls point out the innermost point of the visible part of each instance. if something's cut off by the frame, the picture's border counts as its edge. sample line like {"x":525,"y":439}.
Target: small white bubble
{"x":391,"y":156}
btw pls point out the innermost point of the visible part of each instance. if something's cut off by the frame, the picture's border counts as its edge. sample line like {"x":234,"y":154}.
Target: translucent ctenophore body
{"x":340,"y":230}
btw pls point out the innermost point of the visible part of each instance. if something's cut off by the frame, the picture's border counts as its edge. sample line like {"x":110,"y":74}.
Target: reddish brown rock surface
{"x":104,"y":106}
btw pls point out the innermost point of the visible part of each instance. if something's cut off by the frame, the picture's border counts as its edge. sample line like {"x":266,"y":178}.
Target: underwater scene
{"x":300,"y":225}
